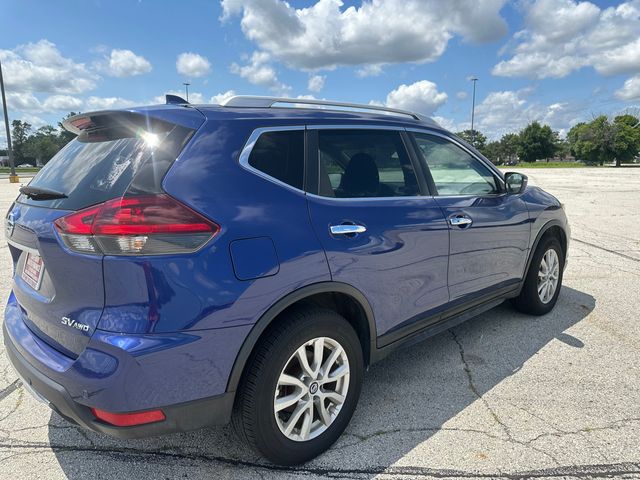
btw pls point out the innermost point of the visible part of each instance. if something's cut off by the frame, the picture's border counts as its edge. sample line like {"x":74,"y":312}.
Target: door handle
{"x":347,"y":229}
{"x":460,"y":221}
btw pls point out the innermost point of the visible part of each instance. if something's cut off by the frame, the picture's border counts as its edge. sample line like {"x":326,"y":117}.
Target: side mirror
{"x":515,"y":182}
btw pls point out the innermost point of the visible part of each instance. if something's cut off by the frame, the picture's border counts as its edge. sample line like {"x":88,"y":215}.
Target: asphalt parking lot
{"x":502,"y":396}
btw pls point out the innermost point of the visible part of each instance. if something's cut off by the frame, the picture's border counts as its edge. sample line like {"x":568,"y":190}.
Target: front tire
{"x":544,"y":279}
{"x":301,"y":386}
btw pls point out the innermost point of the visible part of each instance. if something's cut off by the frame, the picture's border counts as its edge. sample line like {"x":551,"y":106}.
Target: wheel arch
{"x":554,"y":227}
{"x":329,"y":294}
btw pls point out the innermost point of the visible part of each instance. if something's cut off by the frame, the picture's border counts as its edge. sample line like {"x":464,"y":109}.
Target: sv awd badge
{"x":73,"y":324}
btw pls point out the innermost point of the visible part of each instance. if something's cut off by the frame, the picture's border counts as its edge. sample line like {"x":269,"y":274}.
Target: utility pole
{"x":186,"y":89}
{"x":13,"y":178}
{"x":473,"y":110}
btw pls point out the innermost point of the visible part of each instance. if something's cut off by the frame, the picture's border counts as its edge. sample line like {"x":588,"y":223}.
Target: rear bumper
{"x":183,"y":417}
{"x":185,"y":374}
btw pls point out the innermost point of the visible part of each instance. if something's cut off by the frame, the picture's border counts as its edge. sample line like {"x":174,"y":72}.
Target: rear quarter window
{"x":280,"y":155}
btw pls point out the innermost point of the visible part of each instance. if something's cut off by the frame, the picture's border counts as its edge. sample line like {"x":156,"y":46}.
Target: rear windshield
{"x":97,"y":168}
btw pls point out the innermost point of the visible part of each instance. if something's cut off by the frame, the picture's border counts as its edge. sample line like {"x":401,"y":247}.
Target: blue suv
{"x":179,"y":266}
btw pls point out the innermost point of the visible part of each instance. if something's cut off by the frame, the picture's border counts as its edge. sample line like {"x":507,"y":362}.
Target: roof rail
{"x":248,"y":101}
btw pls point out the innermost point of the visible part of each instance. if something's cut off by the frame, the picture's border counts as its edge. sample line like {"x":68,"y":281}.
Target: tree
{"x":474,"y":137}
{"x":38,"y":148}
{"x":601,"y":140}
{"x":43,"y":144}
{"x":563,"y":149}
{"x":509,"y":146}
{"x":493,"y":151}
{"x":19,"y":135}
{"x":536,"y":142}
{"x":65,"y":136}
{"x":626,"y":141}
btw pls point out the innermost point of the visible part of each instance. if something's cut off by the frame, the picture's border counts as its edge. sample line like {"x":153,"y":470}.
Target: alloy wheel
{"x":548,"y":275}
{"x":311,"y":389}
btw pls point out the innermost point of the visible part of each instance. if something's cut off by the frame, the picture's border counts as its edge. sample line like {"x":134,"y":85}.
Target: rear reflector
{"x":137,"y":225}
{"x":129,"y":419}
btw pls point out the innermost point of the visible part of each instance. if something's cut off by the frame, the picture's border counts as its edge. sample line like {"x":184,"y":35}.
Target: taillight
{"x":137,"y":225}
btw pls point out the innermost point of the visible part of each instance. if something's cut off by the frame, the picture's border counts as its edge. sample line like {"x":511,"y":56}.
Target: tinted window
{"x":280,"y":155}
{"x":454,"y":171}
{"x":95,"y":168}
{"x":364,"y":163}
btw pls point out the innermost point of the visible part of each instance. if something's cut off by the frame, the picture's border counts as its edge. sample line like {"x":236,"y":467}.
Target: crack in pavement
{"x":617,"y":425}
{"x":8,"y":390}
{"x":379,"y":433}
{"x":15,"y":406}
{"x":492,"y":412}
{"x":133,"y":454}
{"x":628,"y":257}
{"x":581,"y":432}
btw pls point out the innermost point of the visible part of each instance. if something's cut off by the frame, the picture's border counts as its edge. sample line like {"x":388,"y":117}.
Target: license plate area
{"x":33,"y":270}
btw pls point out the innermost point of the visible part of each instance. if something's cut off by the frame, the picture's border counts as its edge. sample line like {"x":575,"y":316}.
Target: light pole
{"x":13,"y":178}
{"x":186,"y":89}
{"x":473,"y":110}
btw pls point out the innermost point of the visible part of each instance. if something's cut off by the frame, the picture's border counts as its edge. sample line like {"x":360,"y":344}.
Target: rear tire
{"x":275,"y":375}
{"x":544,"y":279}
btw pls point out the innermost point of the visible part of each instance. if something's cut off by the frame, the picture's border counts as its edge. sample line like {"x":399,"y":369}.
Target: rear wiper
{"x":37,"y":193}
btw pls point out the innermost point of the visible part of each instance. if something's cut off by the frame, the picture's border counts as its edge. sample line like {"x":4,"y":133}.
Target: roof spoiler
{"x":91,"y":123}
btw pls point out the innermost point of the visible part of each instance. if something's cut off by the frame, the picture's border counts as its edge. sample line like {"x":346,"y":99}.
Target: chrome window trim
{"x":255,"y":134}
{"x":356,"y":126}
{"x":492,"y":168}
{"x":369,"y":199}
{"x":248,"y":147}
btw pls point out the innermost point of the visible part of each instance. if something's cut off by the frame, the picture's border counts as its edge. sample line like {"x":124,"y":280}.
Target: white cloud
{"x":62,"y":102}
{"x":372,"y":70}
{"x":23,"y":101}
{"x":316,"y":83}
{"x":630,"y":90}
{"x":447,"y":123}
{"x":259,"y":72}
{"x":422,"y":97}
{"x":562,"y":36}
{"x":28,"y":102}
{"x":222,"y":97}
{"x":107,"y":103}
{"x":326,"y":34}
{"x":192,"y":65}
{"x":510,"y":111}
{"x":461,"y":95}
{"x":40,"y":67}
{"x":125,"y":63}
{"x":196,"y":97}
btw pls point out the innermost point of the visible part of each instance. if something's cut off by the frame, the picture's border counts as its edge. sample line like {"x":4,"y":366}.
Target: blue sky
{"x":557,"y":61}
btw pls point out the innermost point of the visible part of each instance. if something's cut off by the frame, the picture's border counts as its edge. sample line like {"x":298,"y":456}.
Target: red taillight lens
{"x":149,"y":214}
{"x":139,"y":225}
{"x":129,"y":419}
{"x":79,"y":223}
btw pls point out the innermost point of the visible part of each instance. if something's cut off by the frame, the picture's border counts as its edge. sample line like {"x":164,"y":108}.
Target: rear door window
{"x":364,"y":163}
{"x":280,"y":155}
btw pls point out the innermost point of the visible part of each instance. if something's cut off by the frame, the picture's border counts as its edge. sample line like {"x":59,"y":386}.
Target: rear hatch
{"x":59,"y":285}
